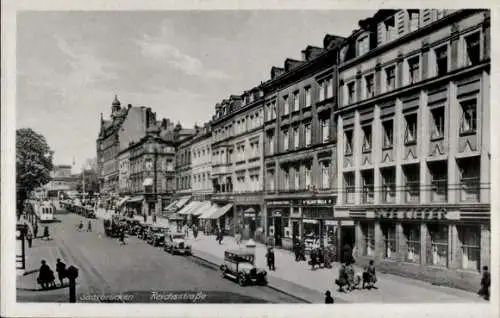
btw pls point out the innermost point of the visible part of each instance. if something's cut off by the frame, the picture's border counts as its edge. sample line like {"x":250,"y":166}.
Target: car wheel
{"x":241,"y":280}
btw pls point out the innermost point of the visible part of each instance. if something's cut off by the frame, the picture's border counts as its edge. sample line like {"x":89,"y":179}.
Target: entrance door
{"x":278,"y":231}
{"x":295,"y":231}
{"x":347,"y":238}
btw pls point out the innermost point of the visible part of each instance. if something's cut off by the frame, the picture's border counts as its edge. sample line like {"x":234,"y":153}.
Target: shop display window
{"x":412,"y":236}
{"x":470,"y":240}
{"x":369,"y":239}
{"x":389,"y":235}
{"x":437,"y":250}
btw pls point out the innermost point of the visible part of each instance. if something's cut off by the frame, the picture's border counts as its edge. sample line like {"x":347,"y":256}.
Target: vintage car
{"x":159,"y":237}
{"x":239,"y":264}
{"x":176,"y":244}
{"x":154,"y":233}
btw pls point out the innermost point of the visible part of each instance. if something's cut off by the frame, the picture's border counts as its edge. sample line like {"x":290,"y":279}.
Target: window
{"x":369,"y":86}
{"x":390,"y":78}
{"x":411,"y":129}
{"x":321,"y":85}
{"x":414,"y":69}
{"x":412,"y":183}
{"x":308,"y":176}
{"x":414,"y":19}
{"x":270,"y":137}
{"x":307,"y":128}
{"x":325,"y":129}
{"x":325,"y":175}
{"x":368,"y":189}
{"x":412,"y":236}
{"x":285,"y":140}
{"x":286,"y":179}
{"x":348,"y":142}
{"x":308,"y":96}
{"x":351,"y":92}
{"x":388,"y":185}
{"x":363,"y":45}
{"x":329,"y":88}
{"x":296,"y":178}
{"x":388,"y":128}
{"x":390,"y":29}
{"x":441,"y":60}
{"x":440,"y":14}
{"x":296,"y":137}
{"x":369,"y":239}
{"x":469,"y":169}
{"x":470,"y":241}
{"x":367,"y":138}
{"x":389,"y":235}
{"x":286,"y":106}
{"x":437,"y":125}
{"x":270,"y":179}
{"x":439,"y":181}
{"x":273,"y":110}
{"x":468,"y":124}
{"x":296,"y":101}
{"x":472,"y":49}
{"x":437,"y":252}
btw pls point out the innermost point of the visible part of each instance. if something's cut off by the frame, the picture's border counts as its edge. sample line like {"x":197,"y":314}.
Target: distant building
{"x":62,"y":181}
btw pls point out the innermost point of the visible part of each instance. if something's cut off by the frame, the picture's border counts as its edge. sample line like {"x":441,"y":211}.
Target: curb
{"x":270,"y":286}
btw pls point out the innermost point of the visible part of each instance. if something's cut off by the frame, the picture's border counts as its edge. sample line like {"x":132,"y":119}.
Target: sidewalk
{"x":298,"y":275}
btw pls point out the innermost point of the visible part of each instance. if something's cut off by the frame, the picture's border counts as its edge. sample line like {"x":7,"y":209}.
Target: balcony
{"x":219,"y":169}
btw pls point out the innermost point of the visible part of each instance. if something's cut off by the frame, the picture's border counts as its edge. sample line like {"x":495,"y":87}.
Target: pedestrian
{"x":61,"y":271}
{"x":237,"y":237}
{"x":195,"y":231}
{"x":46,"y":277}
{"x":485,"y":284}
{"x":89,"y":226}
{"x":154,"y":218}
{"x":328,"y":297}
{"x":145,"y":217}
{"x":270,"y":259}
{"x":36,"y":230}
{"x":122,"y":236}
{"x":46,"y":234}
{"x":186,"y":231}
{"x":29,"y":238}
{"x":314,"y":258}
{"x":342,"y":279}
{"x":369,"y":276}
{"x":347,"y":257}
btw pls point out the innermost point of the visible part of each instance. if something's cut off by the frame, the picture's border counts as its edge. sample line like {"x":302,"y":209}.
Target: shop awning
{"x":175,"y":217}
{"x":220,"y":212}
{"x":171,"y":205}
{"x":189,"y":207}
{"x":205,"y":205}
{"x":310,"y":221}
{"x":148,"y":182}
{"x":182,"y":201}
{"x":250,"y":210}
{"x":138,"y":198}
{"x":122,"y":201}
{"x":207,"y":213}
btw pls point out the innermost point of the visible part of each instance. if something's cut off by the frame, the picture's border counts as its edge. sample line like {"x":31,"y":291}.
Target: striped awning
{"x":182,"y":201}
{"x":172,"y":205}
{"x":189,"y":207}
{"x":205,"y":205}
{"x":135,"y":199}
{"x":220,"y":212}
{"x":212,"y":209}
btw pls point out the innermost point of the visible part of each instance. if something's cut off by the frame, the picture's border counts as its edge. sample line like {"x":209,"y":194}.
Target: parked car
{"x":239,"y":264}
{"x":176,"y":244}
{"x":159,"y":237}
{"x":154,"y":233}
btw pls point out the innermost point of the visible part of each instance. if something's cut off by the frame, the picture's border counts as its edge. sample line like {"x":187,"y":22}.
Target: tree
{"x":33,"y":163}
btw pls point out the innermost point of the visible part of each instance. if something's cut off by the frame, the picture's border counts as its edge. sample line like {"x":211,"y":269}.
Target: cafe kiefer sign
{"x":411,"y":213}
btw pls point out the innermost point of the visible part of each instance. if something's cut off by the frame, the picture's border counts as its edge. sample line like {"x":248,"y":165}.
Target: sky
{"x":70,"y":64}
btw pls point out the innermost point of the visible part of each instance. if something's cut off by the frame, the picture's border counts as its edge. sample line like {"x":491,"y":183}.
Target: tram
{"x":44,"y":211}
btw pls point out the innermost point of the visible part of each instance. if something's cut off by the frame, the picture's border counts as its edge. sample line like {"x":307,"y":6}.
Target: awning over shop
{"x":136,"y":199}
{"x":220,"y":212}
{"x":310,"y":221}
{"x":122,"y":201}
{"x":148,"y":182}
{"x":175,"y":217}
{"x":189,"y":207}
{"x":182,"y":201}
{"x":172,"y":205}
{"x":204,"y":206}
{"x":212,"y":209}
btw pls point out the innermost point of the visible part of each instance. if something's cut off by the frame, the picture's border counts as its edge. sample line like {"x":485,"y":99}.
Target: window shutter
{"x":401,"y":21}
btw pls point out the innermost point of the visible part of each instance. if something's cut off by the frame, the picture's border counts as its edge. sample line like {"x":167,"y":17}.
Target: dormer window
{"x":414,"y":19}
{"x":390,"y":29}
{"x":363,"y":45}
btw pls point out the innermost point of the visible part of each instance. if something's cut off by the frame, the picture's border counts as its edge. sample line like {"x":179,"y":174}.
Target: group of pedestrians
{"x":348,"y":279}
{"x":89,"y":226}
{"x":46,"y":277}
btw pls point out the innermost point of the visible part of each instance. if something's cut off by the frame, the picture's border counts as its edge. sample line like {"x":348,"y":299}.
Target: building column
{"x":340,"y":161}
{"x":485,"y":245}
{"x":377,"y":142}
{"x":423,"y":145}
{"x":454,"y":247}
{"x":379,"y":240}
{"x":398,"y":135}
{"x":357,"y":145}
{"x":401,"y":245}
{"x":453,"y":138}
{"x":423,"y":243}
{"x":359,"y":238}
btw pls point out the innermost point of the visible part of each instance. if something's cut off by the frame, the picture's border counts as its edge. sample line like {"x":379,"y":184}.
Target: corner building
{"x":300,"y":148}
{"x":414,"y":143}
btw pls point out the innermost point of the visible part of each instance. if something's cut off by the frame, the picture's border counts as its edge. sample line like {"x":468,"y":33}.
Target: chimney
{"x":304,"y":55}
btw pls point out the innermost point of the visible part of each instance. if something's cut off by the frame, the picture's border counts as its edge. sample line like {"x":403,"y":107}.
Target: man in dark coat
{"x":46,"y":276}
{"x":296,"y":250}
{"x":328,"y":297}
{"x":270,"y":259}
{"x":347,"y":255}
{"x":342,"y":280}
{"x":485,"y":284}
{"x":29,"y":238}
{"x":61,"y":270}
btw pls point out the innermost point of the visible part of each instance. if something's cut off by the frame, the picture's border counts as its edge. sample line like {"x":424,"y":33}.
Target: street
{"x":136,"y":271}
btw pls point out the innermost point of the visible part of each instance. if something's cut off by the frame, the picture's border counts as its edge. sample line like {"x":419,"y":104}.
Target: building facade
{"x":61,"y":181}
{"x":201,"y":154}
{"x":127,"y":124}
{"x":237,"y":173}
{"x":414,"y":145}
{"x":300,"y":147}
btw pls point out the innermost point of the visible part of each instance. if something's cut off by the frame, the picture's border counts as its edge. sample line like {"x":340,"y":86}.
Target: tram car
{"x":44,"y":211}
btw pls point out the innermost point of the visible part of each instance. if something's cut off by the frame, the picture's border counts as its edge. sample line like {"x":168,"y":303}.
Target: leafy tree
{"x":33,"y":163}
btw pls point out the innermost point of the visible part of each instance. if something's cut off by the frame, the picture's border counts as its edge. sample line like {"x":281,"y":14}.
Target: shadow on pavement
{"x":58,"y":286}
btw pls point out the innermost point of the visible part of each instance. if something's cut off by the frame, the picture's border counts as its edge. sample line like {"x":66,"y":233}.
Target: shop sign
{"x":318,"y":213}
{"x":249,"y":215}
{"x":287,"y":202}
{"x":331,"y":222}
{"x":317,"y":202}
{"x":412,"y":214}
{"x":276,"y":213}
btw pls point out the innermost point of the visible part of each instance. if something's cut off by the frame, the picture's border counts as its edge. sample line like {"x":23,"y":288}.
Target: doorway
{"x":278,"y":231}
{"x":348,"y":237}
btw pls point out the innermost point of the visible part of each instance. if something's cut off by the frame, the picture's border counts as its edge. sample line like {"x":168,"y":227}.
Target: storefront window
{"x":470,"y":240}
{"x":412,"y":236}
{"x":389,"y":234}
{"x":437,"y":251}
{"x":369,"y":239}
{"x":311,"y":233}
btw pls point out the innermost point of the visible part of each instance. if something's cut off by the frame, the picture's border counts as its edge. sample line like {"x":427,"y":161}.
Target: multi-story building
{"x":237,"y":162}
{"x":414,"y":143}
{"x":300,"y":146}
{"x":127,"y":124}
{"x":124,"y":173}
{"x":151,"y":173}
{"x":61,"y":181}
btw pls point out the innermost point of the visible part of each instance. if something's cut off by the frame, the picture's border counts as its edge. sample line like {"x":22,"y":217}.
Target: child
{"x":369,"y":276}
